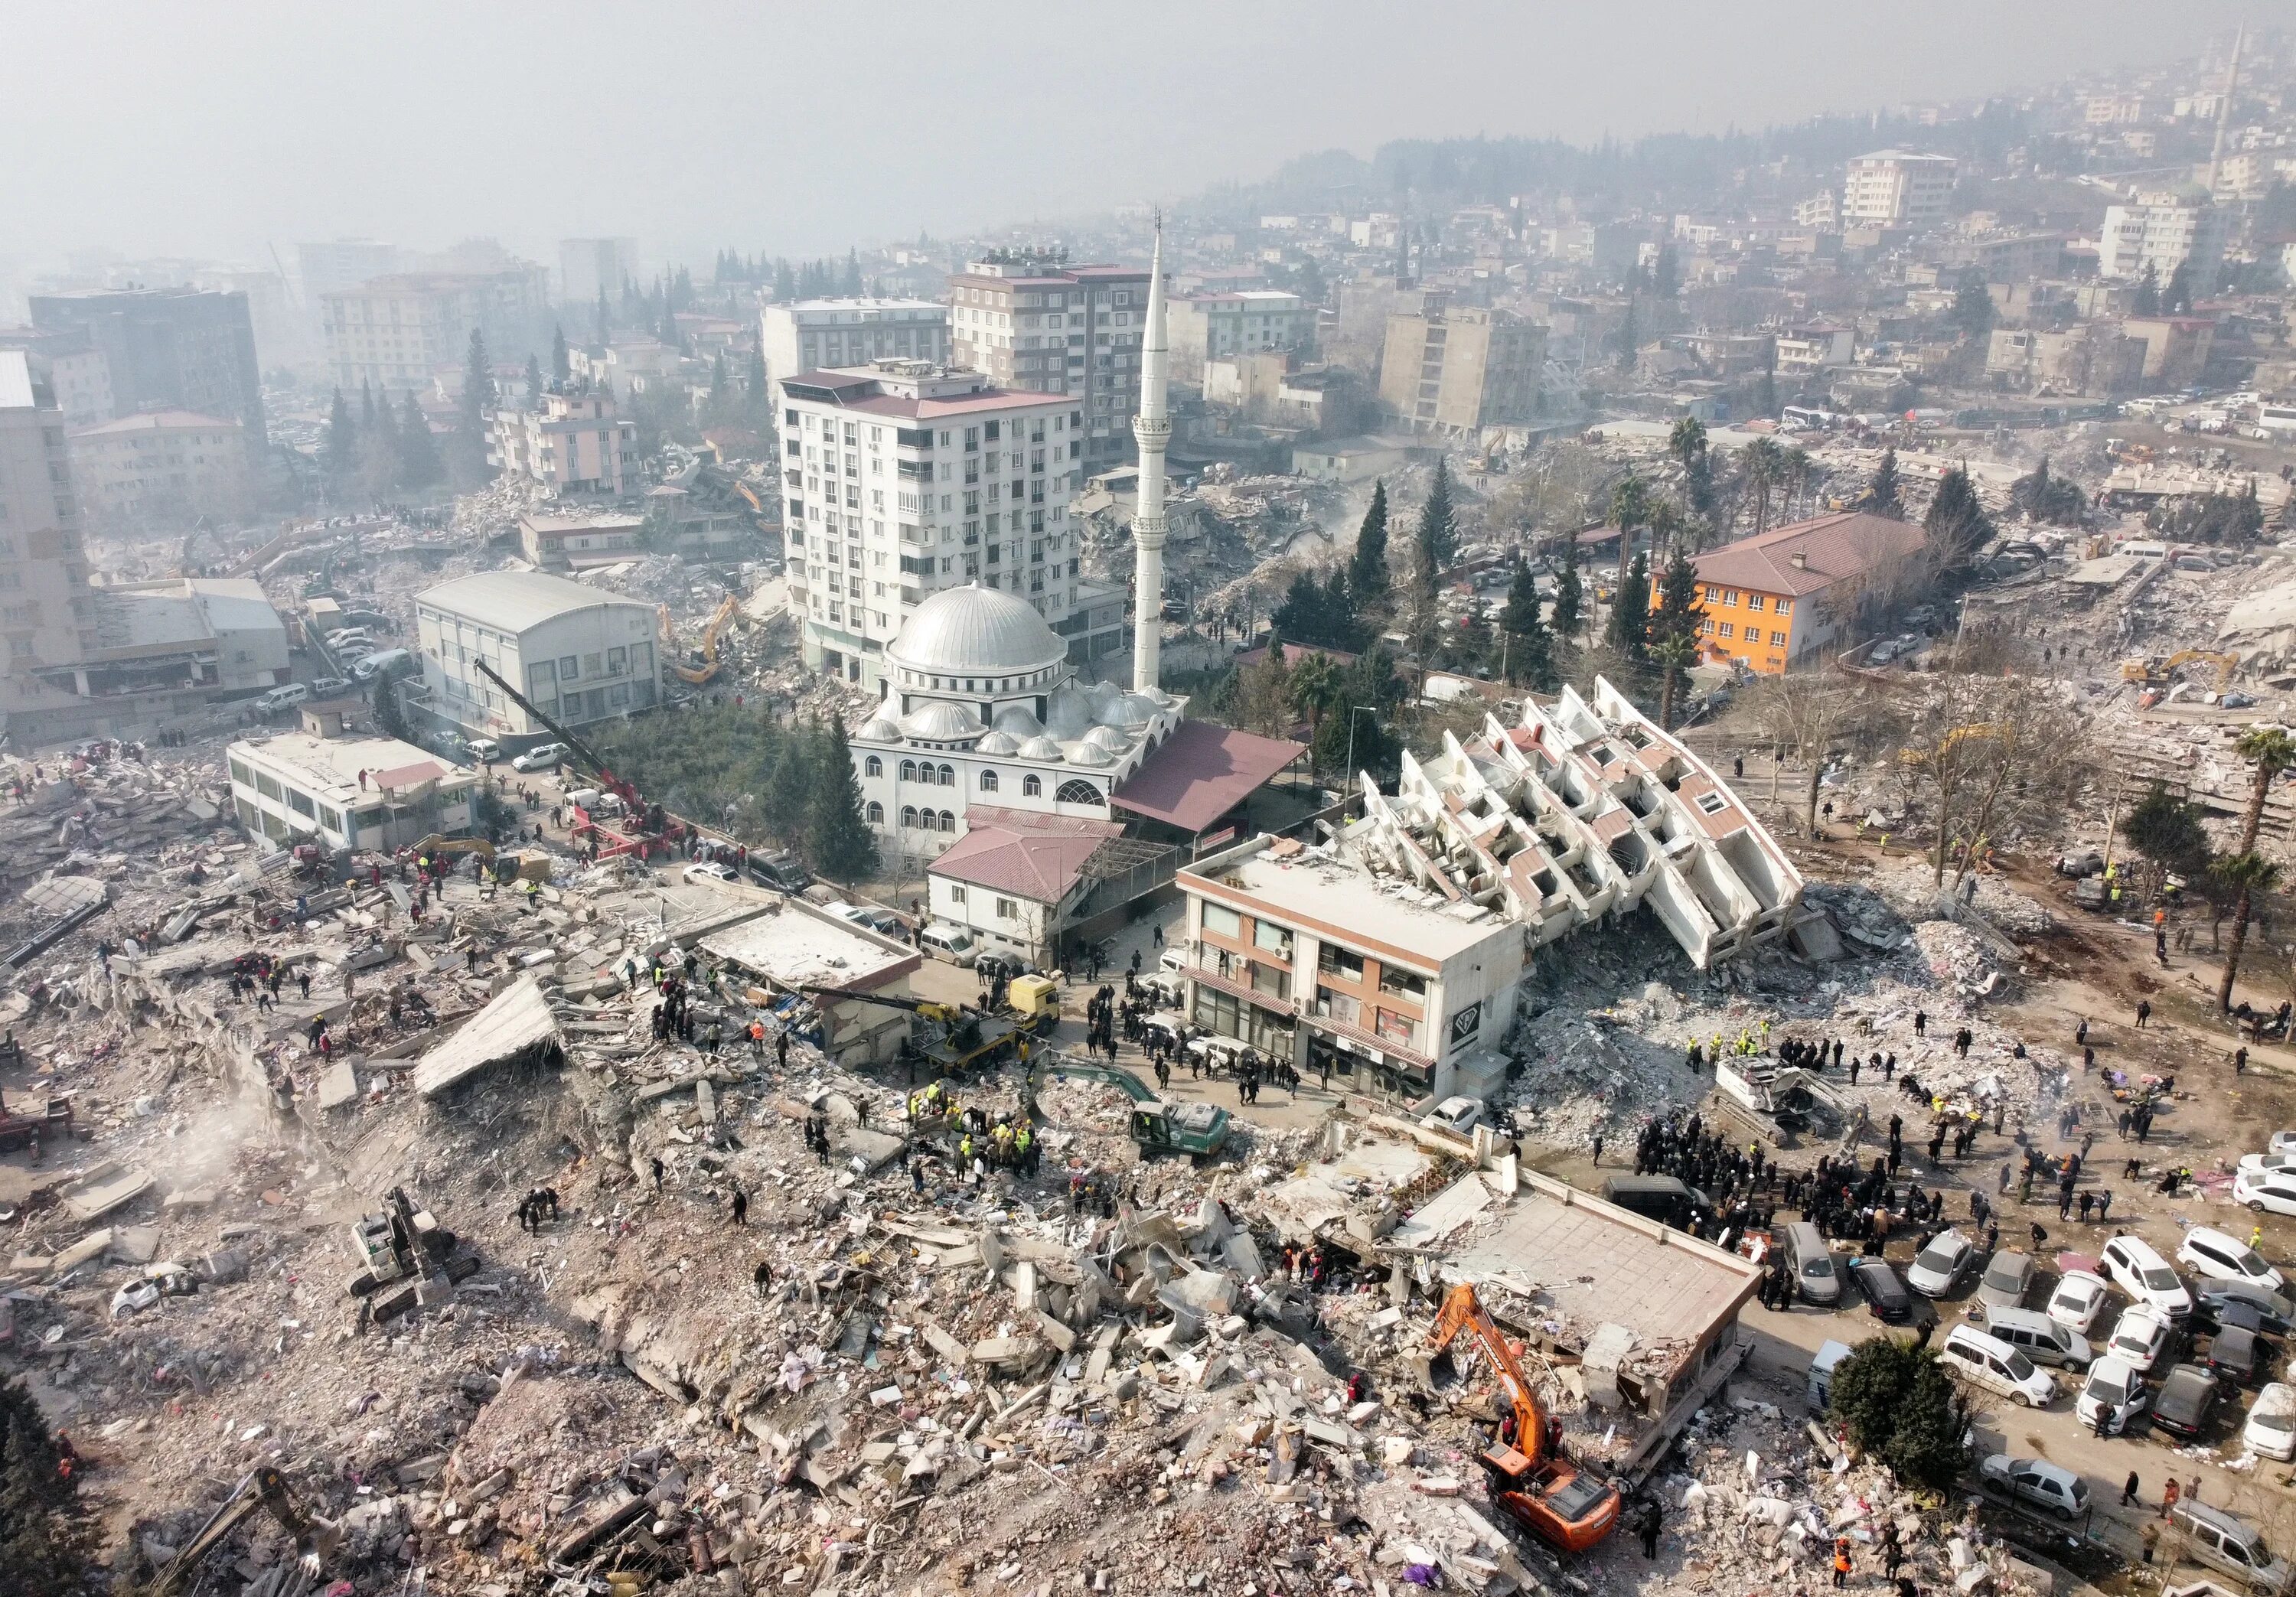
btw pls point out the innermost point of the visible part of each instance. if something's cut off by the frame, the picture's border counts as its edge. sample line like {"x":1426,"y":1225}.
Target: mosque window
{"x":988,"y":781}
{"x":949,"y":776}
{"x":876,"y":813}
{"x":1032,"y":785}
{"x":872,"y":766}
{"x":909,"y":815}
{"x":1076,"y":792}
{"x":908,"y":770}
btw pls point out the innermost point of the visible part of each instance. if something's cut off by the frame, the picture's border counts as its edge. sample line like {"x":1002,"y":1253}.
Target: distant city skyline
{"x":155,"y":131}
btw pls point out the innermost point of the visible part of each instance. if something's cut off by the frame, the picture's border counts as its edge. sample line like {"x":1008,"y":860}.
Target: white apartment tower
{"x":2163,"y":232}
{"x":1029,"y":320}
{"x":815,"y":335}
{"x":1896,"y":188}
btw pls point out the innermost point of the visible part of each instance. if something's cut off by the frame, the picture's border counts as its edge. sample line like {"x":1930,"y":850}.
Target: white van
{"x":279,"y":697}
{"x":2219,"y":1255}
{"x":1984,"y":1360}
{"x":2130,"y":1263}
{"x":2112,"y":1395}
{"x":2270,"y":1431}
{"x":2037,"y":1337}
{"x":374,"y":663}
{"x":941,"y":940}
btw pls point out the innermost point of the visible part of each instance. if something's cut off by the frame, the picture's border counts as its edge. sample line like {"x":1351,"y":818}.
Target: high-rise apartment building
{"x":812,"y":335}
{"x":342,"y":264}
{"x":396,"y":332}
{"x":168,"y":348}
{"x":588,"y":267}
{"x":74,"y":369}
{"x":1208,"y":327}
{"x":1457,"y":369}
{"x":44,"y":593}
{"x":905,"y":479}
{"x":1031,"y":320}
{"x":2162,"y":231}
{"x":568,"y":443}
{"x":162,"y":467}
{"x":1898,"y":188}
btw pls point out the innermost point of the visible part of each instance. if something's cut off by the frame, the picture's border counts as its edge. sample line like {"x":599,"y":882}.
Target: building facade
{"x":570,"y":543}
{"x":904,"y":480}
{"x":578,"y":654}
{"x":1771,"y":602}
{"x":1811,"y":347}
{"x":571,"y":444}
{"x":1459,"y":369}
{"x":814,"y":335}
{"x":396,"y":332}
{"x":2163,"y":231}
{"x":168,"y":349}
{"x":1898,"y":188}
{"x":339,"y":264}
{"x":162,"y":466}
{"x":589,"y":267}
{"x":46,"y":610}
{"x":73,"y":369}
{"x":1034,"y":323}
{"x":1209,"y":327}
{"x":348,"y":793}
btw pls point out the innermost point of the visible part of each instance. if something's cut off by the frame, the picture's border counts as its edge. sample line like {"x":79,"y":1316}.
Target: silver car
{"x":2006,"y":1280}
{"x":2037,"y":1482}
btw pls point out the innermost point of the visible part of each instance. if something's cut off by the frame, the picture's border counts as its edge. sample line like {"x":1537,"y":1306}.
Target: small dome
{"x":976,"y":630}
{"x":1088,"y":754}
{"x":997,"y":742}
{"x":1105,"y":696}
{"x":1131,"y":709}
{"x":1040,"y":746}
{"x":1020,"y":720}
{"x":879,"y":729}
{"x":1108,"y":738}
{"x":1070,"y":713}
{"x":941,"y":722}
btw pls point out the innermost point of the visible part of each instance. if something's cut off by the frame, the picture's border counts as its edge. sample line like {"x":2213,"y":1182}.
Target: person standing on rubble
{"x":740,"y":1207}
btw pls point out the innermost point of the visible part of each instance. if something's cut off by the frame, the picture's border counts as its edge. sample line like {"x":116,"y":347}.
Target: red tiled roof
{"x":1041,"y":866}
{"x":1202,"y":773}
{"x":1847,"y":544}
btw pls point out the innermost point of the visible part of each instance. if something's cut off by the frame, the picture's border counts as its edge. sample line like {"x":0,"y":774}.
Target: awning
{"x":1203,"y":772}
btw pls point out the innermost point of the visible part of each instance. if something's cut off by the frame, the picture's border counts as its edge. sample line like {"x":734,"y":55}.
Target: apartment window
{"x":1786,"y":607}
{"x":1335,"y":960}
{"x":1777,"y":640}
{"x":567,"y":668}
{"x":1729,"y":631}
{"x":1753,"y":601}
{"x":1006,"y":910}
{"x":1342,"y":1007}
{"x":1223,"y":920}
{"x":1403,"y":983}
{"x":955,"y":894}
{"x":1276,"y":939}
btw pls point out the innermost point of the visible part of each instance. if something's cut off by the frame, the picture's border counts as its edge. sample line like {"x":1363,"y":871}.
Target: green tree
{"x":477,"y":405}
{"x":2244,"y":875}
{"x":2167,"y":831}
{"x":1439,"y":530}
{"x":1972,"y":310}
{"x":1687,"y":444}
{"x":605,"y":324}
{"x":720,"y":400}
{"x":47,"y":1543}
{"x":2177,"y":299}
{"x":1674,"y":631}
{"x":2047,"y":498}
{"x":2148,"y":292}
{"x":561,"y":359}
{"x":1629,"y":338}
{"x":1530,"y":648}
{"x":419,"y":466}
{"x":1317,"y":687}
{"x":1367,"y":572}
{"x":1957,"y":525}
{"x":1628,"y":628}
{"x":1898,"y":1405}
{"x":534,"y":383}
{"x":339,"y":455}
{"x":852,"y":270}
{"x":839,"y":840}
{"x":389,"y":717}
{"x":2269,"y":750}
{"x":757,"y":393}
{"x":790,"y":792}
{"x":1884,"y":495}
{"x":1630,"y":512}
{"x":1569,"y":612}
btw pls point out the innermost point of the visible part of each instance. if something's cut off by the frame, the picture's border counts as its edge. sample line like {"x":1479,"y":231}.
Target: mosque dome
{"x":997,"y":742}
{"x":1040,"y":746}
{"x":1070,"y":713}
{"x":941,"y":722}
{"x":972,"y":630}
{"x":879,"y":729}
{"x":1021,"y":721}
{"x":1131,"y":709}
{"x":1089,"y":754}
{"x":1108,"y":738}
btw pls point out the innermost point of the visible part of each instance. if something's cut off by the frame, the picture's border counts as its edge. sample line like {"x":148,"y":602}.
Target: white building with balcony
{"x":578,"y":655}
{"x":346,"y":792}
{"x":1898,"y":188}
{"x":571,"y":444}
{"x":816,"y":335}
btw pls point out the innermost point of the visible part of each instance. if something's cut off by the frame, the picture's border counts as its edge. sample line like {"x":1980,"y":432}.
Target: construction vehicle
{"x":647,"y":822}
{"x":2157,"y":668}
{"x":1530,"y":1480}
{"x":704,"y":671}
{"x":956,"y":1037}
{"x":47,"y":1119}
{"x":261,"y":1490}
{"x":582,"y":752}
{"x":405,"y":1250}
{"x":1158,"y":1126}
{"x":1776,"y":1102}
{"x":437,"y":845}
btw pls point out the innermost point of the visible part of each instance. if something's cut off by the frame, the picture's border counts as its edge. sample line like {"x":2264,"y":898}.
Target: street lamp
{"x":1361,"y":710}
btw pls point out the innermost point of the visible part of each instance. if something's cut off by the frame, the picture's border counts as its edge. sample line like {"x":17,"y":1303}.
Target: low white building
{"x":1209,"y":327}
{"x":579,"y":655}
{"x":374,"y":793}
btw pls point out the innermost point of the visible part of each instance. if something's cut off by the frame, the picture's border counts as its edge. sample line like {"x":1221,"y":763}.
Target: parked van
{"x":1812,"y":1263}
{"x":941,"y":940}
{"x":374,"y":664}
{"x":1659,"y":1198}
{"x":285,"y":694}
{"x":1985,"y":1360}
{"x":2038,"y":1337}
{"x":1820,"y":1388}
{"x":2230,"y":1544}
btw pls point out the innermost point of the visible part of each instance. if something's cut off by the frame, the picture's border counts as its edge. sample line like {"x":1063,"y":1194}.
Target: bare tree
{"x":1811,"y":715}
{"x":1991,"y":755}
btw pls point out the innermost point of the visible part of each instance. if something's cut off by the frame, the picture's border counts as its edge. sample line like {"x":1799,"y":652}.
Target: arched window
{"x":876,"y":813}
{"x":909,"y":815}
{"x":908,"y":770}
{"x":1076,"y":792}
{"x":872,"y":766}
{"x":947,"y":822}
{"x":949,"y":776}
{"x":1032,"y":785}
{"x":988,"y":781}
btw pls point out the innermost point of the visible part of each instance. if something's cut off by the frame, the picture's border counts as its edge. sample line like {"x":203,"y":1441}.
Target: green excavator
{"x":1199,"y":1130}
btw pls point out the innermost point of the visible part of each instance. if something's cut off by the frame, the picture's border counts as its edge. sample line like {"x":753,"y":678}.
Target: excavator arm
{"x":947,"y":1014}
{"x":1124,"y":1081}
{"x":1462,"y":1311}
{"x":262,"y":1489}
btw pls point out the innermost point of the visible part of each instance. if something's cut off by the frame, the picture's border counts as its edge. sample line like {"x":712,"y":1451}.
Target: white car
{"x":485,"y":750}
{"x":2271,"y":1428}
{"x":542,"y":757}
{"x":2130,"y":1263}
{"x":708,"y":870}
{"x":2139,"y":1336}
{"x":2214,"y":1254}
{"x":2283,"y":1141}
{"x":2037,"y":1481}
{"x":2079,"y":1299}
{"x":2268,"y":1162}
{"x":1939,"y":1266}
{"x":1458,"y":1115}
{"x":2267,"y":1191}
{"x":2113,"y":1395}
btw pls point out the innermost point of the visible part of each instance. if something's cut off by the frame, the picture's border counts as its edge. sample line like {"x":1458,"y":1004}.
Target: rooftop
{"x":865,"y":389}
{"x":609,"y":520}
{"x":802,"y":947}
{"x":153,"y":421}
{"x":515,"y":601}
{"x":1041,"y":866}
{"x":1808,"y":557}
{"x":1203,"y":771}
{"x":858,"y":302}
{"x":330,"y":768}
{"x":1413,"y":925}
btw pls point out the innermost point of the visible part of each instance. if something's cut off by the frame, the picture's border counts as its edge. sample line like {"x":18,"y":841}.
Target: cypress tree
{"x":844,"y":849}
{"x":561,"y":361}
{"x":341,"y":450}
{"x":366,"y":405}
{"x":418,"y":453}
{"x":1530,"y":648}
{"x":760,"y":399}
{"x":1957,"y":525}
{"x":1439,"y":530}
{"x":790,"y":799}
{"x":1570,"y":593}
{"x":1367,"y":573}
{"x":533,"y":379}
{"x":1628,"y":631}
{"x":605,"y":322}
{"x":1884,"y":496}
{"x":477,"y":404}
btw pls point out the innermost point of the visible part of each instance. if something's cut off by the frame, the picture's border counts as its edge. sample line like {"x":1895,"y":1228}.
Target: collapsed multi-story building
{"x":1389,"y":955}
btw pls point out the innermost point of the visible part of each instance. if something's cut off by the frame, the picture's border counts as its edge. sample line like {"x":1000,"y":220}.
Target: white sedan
{"x":2268,"y":1162}
{"x":2139,"y":1336}
{"x":2283,"y":1141}
{"x":2267,"y":1191}
{"x":2079,"y":1299}
{"x":708,"y":870}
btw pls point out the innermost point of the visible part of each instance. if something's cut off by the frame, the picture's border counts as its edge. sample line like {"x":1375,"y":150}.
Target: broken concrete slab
{"x":135,"y":1244}
{"x":103,"y":1189}
{"x":91,"y":1246}
{"x":1059,"y":1335}
{"x":338,"y":1084}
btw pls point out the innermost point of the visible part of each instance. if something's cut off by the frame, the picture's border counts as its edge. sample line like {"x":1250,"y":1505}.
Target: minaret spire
{"x":1151,"y":430}
{"x":2224,"y":107}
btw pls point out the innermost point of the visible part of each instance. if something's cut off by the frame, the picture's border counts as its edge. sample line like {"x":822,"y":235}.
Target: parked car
{"x":1988,"y":1363}
{"x":2267,"y":1161}
{"x":2185,"y":1398}
{"x":2113,"y":1395}
{"x":2270,"y":1431}
{"x":375,"y":665}
{"x":1939,"y":1268}
{"x":542,"y":757}
{"x":2272,"y":1313}
{"x":1810,"y":1259}
{"x":285,"y":695}
{"x":943,"y":940}
{"x":1173,"y":961}
{"x":2236,"y":1355}
{"x":708,"y":870}
{"x":1456,"y":1115}
{"x":327,"y":687}
{"x":2230,"y":1544}
{"x":2218,"y":1256}
{"x":783,"y":873}
{"x":2130,"y":1263}
{"x":2008,"y":1276}
{"x":1886,"y":1297}
{"x":882,"y":921}
{"x":2038,"y":1337}
{"x":2282,"y":1141}
{"x":2077,"y":1301}
{"x":2267,"y":1192}
{"x":484,"y":750}
{"x":2141,"y":1335}
{"x":2037,"y":1482}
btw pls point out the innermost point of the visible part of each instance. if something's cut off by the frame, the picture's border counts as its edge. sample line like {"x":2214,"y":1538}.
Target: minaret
{"x":1151,"y":428}
{"x":2224,"y":108}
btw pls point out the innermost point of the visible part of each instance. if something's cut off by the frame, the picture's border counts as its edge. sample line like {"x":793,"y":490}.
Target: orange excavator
{"x":1531,"y":1481}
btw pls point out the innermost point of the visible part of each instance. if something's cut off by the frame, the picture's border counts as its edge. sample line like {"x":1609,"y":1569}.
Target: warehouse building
{"x":578,"y":655}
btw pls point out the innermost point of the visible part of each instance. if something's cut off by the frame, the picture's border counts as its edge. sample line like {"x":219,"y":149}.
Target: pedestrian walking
{"x":2168,"y":1496}
{"x":2128,"y":1489}
{"x":2144,"y":1013}
{"x":657,"y":1173}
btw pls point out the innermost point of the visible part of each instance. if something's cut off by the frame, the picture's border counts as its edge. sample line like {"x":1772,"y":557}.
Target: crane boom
{"x":574,"y":745}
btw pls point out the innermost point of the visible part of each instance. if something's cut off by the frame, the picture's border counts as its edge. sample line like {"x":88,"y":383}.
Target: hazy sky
{"x":218,"y":129}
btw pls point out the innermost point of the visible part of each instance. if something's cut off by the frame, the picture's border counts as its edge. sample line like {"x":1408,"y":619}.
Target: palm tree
{"x":1798,"y":469}
{"x":2271,"y":750}
{"x":2246,"y":874}
{"x":1760,"y":466}
{"x":1631,"y":512}
{"x":1316,"y":685}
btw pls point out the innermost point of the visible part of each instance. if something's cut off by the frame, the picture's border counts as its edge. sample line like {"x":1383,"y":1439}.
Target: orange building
{"x":1770,"y":602}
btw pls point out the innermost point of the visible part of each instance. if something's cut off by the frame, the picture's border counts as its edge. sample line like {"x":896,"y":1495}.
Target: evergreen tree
{"x":1883,"y":496}
{"x":1957,"y":525}
{"x":605,"y":322}
{"x":561,"y":361}
{"x":2047,"y":498}
{"x":47,"y":1542}
{"x":757,"y":397}
{"x":721,"y":388}
{"x":1628,"y":629}
{"x":843,"y":847}
{"x":1530,"y":650}
{"x":366,"y":405}
{"x":1570,"y":593}
{"x":1367,"y":565}
{"x":1629,"y":338}
{"x":1899,"y":1405}
{"x":477,"y":405}
{"x":1973,"y":305}
{"x":852,"y":271}
{"x":1439,"y":530}
{"x":533,"y":379}
{"x":379,"y":453}
{"x":2148,"y":292}
{"x":790,"y":799}
{"x":1666,"y":276}
{"x":785,"y":281}
{"x":340,"y":454}
{"x":1674,"y":630}
{"x":2177,"y":299}
{"x":389,"y":717}
{"x":419,"y":466}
